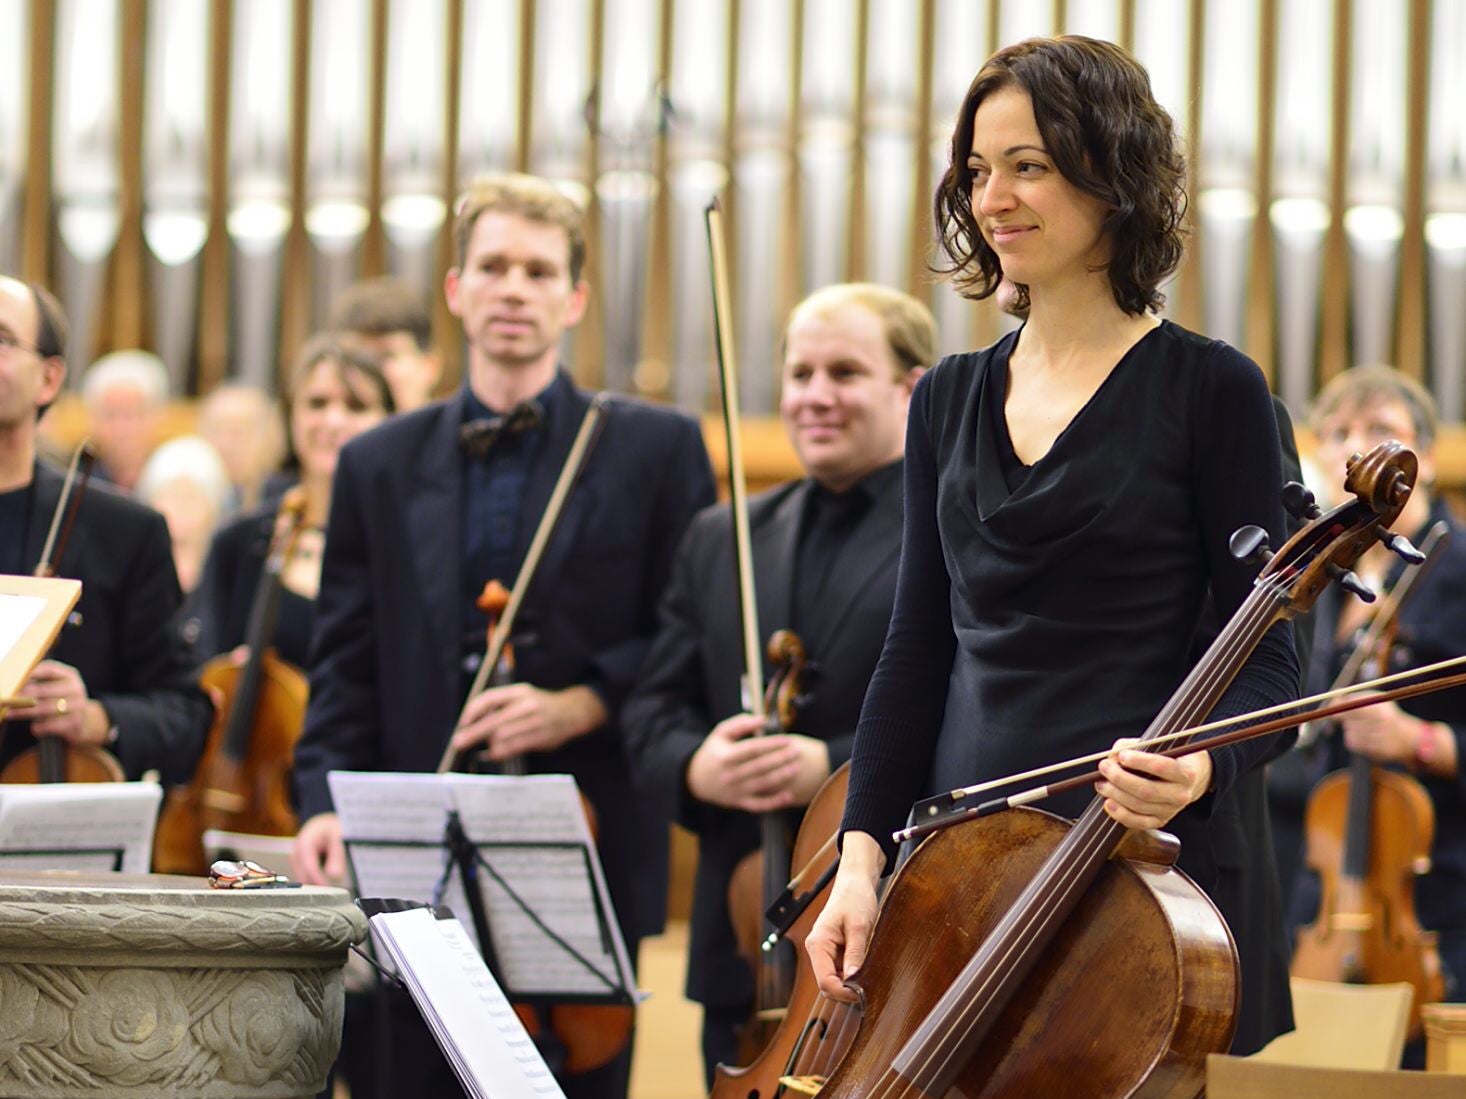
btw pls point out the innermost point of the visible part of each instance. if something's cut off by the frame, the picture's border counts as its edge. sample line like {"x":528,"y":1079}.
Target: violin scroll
{"x":785,"y":692}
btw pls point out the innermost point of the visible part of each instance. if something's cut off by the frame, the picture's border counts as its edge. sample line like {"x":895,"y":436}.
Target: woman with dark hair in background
{"x":1069,"y":494}
{"x":335,"y":392}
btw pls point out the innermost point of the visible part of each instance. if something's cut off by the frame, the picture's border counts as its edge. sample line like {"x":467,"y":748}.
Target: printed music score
{"x":457,"y":995}
{"x":79,"y":826}
{"x":532,"y":837}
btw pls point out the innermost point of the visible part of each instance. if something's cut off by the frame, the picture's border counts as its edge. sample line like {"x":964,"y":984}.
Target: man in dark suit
{"x":431,"y":505}
{"x":122,"y":679}
{"x":825,"y":551}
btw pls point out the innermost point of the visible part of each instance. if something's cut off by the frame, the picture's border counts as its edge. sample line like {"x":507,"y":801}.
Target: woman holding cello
{"x":1069,"y":496}
{"x":1425,"y":737}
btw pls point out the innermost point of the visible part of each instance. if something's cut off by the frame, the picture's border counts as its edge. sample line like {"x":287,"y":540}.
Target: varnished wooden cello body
{"x":1020,"y":955}
{"x":814,"y":1031}
{"x":242,"y":783}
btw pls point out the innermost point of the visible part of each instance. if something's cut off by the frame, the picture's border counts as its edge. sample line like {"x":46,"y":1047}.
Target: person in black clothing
{"x":429,"y":506}
{"x":122,"y":678}
{"x":824,"y":556}
{"x":1425,"y":736}
{"x":336,"y":390}
{"x":1069,"y":496}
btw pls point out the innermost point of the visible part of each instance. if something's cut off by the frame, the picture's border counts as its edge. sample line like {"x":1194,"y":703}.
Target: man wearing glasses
{"x":122,"y":678}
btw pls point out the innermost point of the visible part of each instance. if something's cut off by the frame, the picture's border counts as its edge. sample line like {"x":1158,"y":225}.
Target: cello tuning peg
{"x":1401,"y":547}
{"x":1299,"y":501}
{"x":1351,"y":583}
{"x":1250,"y":544}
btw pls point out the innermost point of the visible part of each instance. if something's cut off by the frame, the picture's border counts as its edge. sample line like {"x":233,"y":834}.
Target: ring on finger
{"x":62,"y":706}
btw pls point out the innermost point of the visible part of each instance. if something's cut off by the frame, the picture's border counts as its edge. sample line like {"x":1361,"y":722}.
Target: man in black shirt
{"x":825,"y":550}
{"x":122,"y":679}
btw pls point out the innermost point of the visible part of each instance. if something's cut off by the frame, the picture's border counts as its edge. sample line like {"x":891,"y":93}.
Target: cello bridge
{"x":802,"y":1085}
{"x":1351,"y":921}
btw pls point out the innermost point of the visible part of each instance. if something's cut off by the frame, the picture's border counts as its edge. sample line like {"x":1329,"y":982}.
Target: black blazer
{"x":129,"y":653}
{"x":385,"y":656}
{"x":691,"y":682}
{"x":220,"y":606}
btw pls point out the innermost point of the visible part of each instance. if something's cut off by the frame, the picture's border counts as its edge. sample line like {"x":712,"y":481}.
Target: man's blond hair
{"x":526,"y":196}
{"x":911,"y":331}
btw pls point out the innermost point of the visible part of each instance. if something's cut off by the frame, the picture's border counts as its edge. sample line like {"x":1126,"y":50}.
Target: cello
{"x":1081,"y":936}
{"x":1369,"y":833}
{"x":54,"y":759}
{"x":242,"y":782}
{"x":814,"y":1030}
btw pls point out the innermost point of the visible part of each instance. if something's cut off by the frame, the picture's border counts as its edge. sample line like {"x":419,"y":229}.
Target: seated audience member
{"x":185,"y":479}
{"x":124,"y":394}
{"x":242,"y":423}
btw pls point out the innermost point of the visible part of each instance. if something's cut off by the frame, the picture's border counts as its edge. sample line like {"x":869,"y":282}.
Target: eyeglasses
{"x":9,"y":342}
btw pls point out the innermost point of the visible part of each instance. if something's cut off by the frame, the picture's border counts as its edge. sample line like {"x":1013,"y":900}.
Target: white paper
{"x":17,"y":613}
{"x":457,"y":997}
{"x":550,"y":863}
{"x":79,"y":816}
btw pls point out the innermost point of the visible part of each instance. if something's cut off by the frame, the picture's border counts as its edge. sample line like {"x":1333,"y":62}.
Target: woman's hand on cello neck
{"x":1143,"y":790}
{"x":838,"y":942}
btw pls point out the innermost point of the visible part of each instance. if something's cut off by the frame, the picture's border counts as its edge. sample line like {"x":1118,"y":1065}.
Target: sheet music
{"x":457,"y":995}
{"x":79,"y":816}
{"x":395,"y":808}
{"x":550,"y":863}
{"x":17,"y":613}
{"x":558,"y":884}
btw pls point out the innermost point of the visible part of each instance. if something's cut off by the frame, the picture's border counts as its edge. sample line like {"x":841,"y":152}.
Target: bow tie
{"x":478,"y":437}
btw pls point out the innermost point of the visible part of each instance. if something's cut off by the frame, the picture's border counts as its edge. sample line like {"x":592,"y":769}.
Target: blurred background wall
{"x":201,"y":176}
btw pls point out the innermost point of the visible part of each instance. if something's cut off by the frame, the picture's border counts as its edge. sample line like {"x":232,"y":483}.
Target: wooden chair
{"x":1249,"y":1078}
{"x":1343,"y":1026}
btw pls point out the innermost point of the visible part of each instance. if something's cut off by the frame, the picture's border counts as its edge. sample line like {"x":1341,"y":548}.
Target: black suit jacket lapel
{"x":564,"y":423}
{"x":434,"y":514}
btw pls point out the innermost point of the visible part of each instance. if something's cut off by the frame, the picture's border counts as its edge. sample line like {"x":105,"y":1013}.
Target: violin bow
{"x":941,"y":811}
{"x":569,"y":473}
{"x":1381,"y":621}
{"x":753,"y":668}
{"x":67,"y":505}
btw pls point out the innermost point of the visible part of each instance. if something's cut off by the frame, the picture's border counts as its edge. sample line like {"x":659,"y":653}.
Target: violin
{"x":760,"y":875}
{"x":54,"y":759}
{"x":574,"y":1038}
{"x":1369,"y":833}
{"x":1082,"y":936}
{"x":813,"y":1033}
{"x":242,"y":783}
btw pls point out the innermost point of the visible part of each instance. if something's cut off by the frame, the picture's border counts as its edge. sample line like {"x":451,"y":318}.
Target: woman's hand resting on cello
{"x":1141,"y":791}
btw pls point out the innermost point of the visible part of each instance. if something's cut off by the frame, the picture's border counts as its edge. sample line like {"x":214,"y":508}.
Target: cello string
{"x":1020,"y":927}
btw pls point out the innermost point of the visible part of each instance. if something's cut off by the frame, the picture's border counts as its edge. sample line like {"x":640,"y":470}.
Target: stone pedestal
{"x":144,"y":985}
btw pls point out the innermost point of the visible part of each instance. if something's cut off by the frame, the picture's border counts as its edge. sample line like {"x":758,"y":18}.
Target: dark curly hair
{"x":1107,"y":135}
